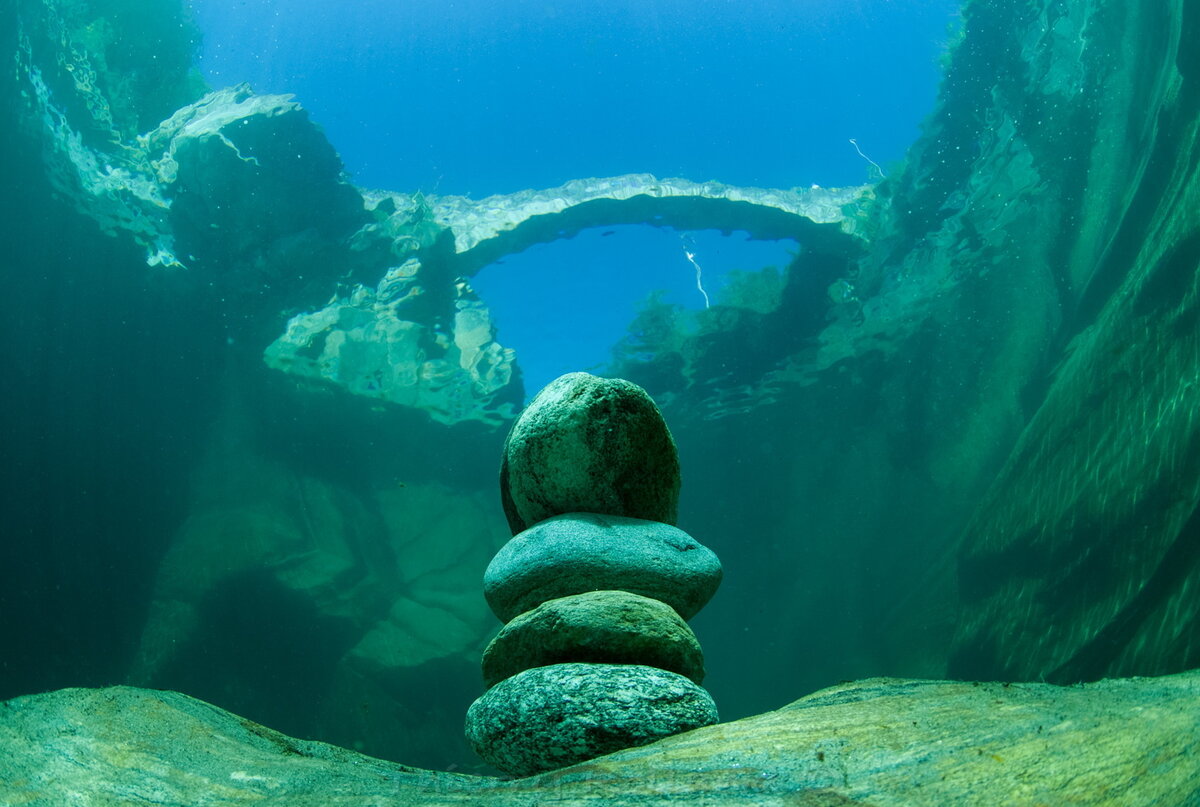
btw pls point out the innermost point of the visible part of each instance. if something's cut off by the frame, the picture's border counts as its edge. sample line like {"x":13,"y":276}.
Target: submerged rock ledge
{"x":878,"y":742}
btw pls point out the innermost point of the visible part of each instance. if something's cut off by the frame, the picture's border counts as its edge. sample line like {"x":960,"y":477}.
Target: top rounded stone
{"x":592,"y":445}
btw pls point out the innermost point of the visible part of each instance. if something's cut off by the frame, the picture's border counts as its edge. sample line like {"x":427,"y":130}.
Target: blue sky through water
{"x":478,"y":97}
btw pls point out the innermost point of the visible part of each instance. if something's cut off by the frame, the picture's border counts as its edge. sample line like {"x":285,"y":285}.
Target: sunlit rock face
{"x":382,"y":343}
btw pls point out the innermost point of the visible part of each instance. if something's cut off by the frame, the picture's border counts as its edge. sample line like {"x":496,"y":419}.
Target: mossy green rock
{"x":883,"y":742}
{"x":589,"y":444}
{"x":608,"y":627}
{"x":550,"y":717}
{"x":580,"y":552}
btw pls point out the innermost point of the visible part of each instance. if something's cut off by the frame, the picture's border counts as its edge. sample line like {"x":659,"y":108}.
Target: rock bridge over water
{"x":421,"y":338}
{"x":486,"y":230}
{"x":243,"y":191}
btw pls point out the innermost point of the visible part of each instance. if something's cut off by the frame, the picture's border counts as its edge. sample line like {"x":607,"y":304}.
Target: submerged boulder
{"x":252,"y":180}
{"x":549,"y":717}
{"x":589,"y":444}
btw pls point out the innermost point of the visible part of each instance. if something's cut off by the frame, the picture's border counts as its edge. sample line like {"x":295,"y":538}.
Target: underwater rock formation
{"x":589,"y":445}
{"x":580,"y":552}
{"x":883,"y":742}
{"x":377,"y":343}
{"x":1008,"y":376}
{"x":587,"y":440}
{"x":83,"y":116}
{"x":1026,"y":284}
{"x":355,"y":598}
{"x":550,"y":717}
{"x":605,"y":626}
{"x":245,"y":193}
{"x":1082,"y":559}
{"x":438,"y":242}
{"x":246,"y":178}
{"x":486,"y":230}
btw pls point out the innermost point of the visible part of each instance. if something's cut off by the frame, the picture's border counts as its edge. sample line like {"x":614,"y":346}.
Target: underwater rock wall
{"x":327,"y":604}
{"x":362,"y":340}
{"x":1030,"y":291}
{"x":181,"y":515}
{"x":1083,"y":560}
{"x":83,"y":91}
{"x":1052,"y":181}
{"x":1065,"y":191}
{"x":242,"y":196}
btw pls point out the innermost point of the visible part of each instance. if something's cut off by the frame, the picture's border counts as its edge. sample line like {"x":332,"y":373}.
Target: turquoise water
{"x":480,"y":98}
{"x":914,"y":291}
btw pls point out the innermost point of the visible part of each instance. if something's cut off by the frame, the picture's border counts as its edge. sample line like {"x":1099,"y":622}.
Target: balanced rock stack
{"x":594,"y":586}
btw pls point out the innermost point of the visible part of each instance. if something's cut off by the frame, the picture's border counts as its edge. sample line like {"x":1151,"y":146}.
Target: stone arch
{"x":486,"y":230}
{"x":421,"y":337}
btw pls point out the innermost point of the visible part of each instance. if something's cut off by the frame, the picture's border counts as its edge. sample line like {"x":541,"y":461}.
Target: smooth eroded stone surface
{"x":580,"y":552}
{"x":590,"y":445}
{"x":883,"y":742}
{"x":608,"y":627}
{"x":550,"y":717}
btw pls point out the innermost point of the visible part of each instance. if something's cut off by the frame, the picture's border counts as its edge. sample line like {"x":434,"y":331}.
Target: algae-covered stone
{"x":549,"y":717}
{"x":610,"y":627}
{"x":881,"y":742}
{"x":580,"y":552}
{"x":589,"y":444}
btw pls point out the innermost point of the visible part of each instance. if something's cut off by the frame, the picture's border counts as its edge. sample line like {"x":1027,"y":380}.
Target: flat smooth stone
{"x":549,"y":717}
{"x":581,"y":552}
{"x":609,"y":627}
{"x":589,"y":444}
{"x":882,"y":741}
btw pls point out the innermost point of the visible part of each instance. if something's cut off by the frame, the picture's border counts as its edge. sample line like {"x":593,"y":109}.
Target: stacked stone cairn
{"x":594,"y":586}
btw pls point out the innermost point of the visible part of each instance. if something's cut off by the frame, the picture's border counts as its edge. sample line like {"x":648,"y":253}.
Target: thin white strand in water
{"x":868,"y":159}
{"x":691,"y":256}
